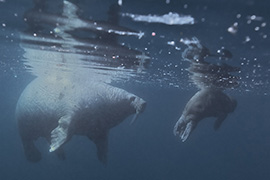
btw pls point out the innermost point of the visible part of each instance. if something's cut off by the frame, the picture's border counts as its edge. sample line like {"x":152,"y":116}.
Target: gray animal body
{"x":58,"y":108}
{"x":207,"y":102}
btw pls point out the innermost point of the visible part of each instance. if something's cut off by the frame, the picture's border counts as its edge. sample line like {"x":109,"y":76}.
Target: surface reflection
{"x":66,"y":43}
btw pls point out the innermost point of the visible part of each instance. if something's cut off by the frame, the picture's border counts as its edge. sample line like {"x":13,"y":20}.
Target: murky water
{"x":138,"y":46}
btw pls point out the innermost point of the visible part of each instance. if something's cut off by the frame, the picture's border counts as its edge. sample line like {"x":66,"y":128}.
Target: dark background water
{"x":148,"y":149}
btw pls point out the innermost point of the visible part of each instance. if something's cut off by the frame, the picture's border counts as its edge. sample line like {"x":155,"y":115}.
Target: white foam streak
{"x":169,"y":19}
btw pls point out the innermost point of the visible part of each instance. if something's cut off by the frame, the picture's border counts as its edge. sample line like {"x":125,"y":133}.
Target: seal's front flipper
{"x":60,"y":134}
{"x":59,"y":152}
{"x":31,"y":152}
{"x":189,"y":127}
{"x":101,"y":142}
{"x":180,"y":126}
{"x":219,"y":121}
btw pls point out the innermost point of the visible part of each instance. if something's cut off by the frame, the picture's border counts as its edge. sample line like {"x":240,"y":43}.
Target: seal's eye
{"x":132,"y":98}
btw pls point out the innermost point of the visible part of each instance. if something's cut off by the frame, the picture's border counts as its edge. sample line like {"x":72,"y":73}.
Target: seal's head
{"x":138,"y":103}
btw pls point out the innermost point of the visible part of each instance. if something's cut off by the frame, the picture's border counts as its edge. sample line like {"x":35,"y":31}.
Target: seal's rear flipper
{"x":101,"y":142}
{"x":60,"y":134}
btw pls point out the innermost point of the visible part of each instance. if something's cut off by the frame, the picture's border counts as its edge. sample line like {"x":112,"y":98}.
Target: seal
{"x":58,"y":108}
{"x":207,"y":102}
{"x":211,"y":78}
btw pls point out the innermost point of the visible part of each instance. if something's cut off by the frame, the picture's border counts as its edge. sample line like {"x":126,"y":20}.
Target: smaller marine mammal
{"x":205,"y":103}
{"x":211,"y":79}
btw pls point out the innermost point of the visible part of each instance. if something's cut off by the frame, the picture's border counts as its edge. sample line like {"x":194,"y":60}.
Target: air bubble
{"x":235,"y":24}
{"x":263,"y":24}
{"x":253,"y":17}
{"x":247,"y":39}
{"x":232,"y":29}
{"x":172,"y":43}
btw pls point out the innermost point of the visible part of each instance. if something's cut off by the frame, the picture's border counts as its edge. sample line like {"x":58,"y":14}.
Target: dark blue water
{"x":239,"y":150}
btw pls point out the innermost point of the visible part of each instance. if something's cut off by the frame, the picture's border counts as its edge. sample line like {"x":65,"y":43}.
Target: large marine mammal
{"x":58,"y":108}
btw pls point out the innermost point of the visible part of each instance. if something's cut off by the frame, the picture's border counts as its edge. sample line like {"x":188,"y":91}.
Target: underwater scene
{"x":134,"y":90}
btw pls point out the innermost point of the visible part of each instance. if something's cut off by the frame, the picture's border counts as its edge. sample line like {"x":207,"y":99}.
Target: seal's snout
{"x":138,"y":103}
